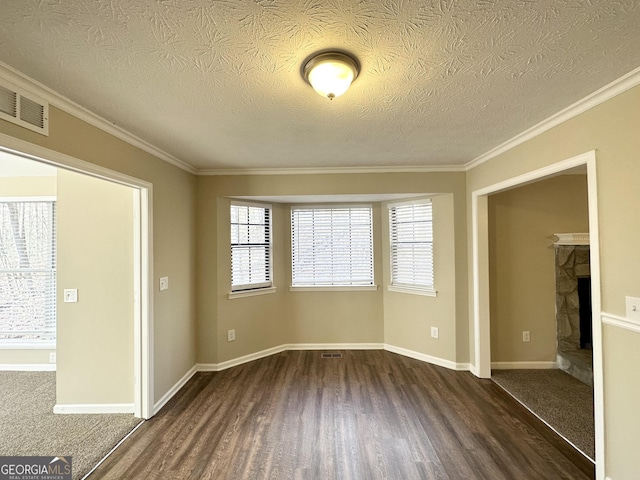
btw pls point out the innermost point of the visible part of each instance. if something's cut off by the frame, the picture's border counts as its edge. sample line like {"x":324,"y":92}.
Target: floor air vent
{"x":331,"y":355}
{"x":23,"y":108}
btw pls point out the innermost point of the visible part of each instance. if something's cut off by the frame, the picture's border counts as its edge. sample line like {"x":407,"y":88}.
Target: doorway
{"x":481,"y":291}
{"x":141,"y":268}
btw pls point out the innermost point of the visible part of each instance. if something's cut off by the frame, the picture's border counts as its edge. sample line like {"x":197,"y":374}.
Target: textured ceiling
{"x":217,"y":83}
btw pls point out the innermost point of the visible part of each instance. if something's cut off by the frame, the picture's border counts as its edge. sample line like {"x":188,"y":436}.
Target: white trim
{"x":330,"y":170}
{"x":441,"y":362}
{"x":216,"y":367}
{"x":480,"y":291}
{"x":251,"y":293}
{"x":66,"y":409}
{"x":335,"y":346}
{"x":572,"y":239}
{"x":621,"y":322}
{"x":27,"y":367}
{"x":537,"y":365}
{"x":426,"y":292}
{"x":54,"y":98}
{"x":598,"y":97}
{"x":143,"y":348}
{"x":173,"y":390}
{"x":605,"y":93}
{"x":333,"y":288}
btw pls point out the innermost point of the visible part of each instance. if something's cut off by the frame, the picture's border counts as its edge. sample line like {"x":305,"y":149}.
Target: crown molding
{"x":332,"y":170}
{"x":54,"y":98}
{"x":605,"y":93}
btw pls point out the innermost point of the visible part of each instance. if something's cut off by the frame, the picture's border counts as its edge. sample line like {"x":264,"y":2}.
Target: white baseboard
{"x":334,"y":346}
{"x":94,"y":408}
{"x":441,"y":362}
{"x":217,"y":367}
{"x":173,"y":390}
{"x":28,"y":367}
{"x":524,"y":365}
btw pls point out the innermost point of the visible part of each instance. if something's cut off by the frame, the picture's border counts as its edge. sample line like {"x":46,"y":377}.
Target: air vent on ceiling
{"x":23,"y":108}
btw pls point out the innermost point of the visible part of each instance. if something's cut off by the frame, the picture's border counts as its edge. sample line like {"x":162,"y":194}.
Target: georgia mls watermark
{"x":35,"y":468}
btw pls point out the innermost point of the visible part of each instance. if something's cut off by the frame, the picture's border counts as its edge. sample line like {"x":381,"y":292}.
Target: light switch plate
{"x":633,"y":308}
{"x":164,"y":283}
{"x":70,"y":295}
{"x":435,"y":333}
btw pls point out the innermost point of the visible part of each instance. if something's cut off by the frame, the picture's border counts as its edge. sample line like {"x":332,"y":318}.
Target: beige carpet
{"x":563,"y":402}
{"x":28,"y":425}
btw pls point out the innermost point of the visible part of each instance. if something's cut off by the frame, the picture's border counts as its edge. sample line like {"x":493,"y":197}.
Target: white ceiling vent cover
{"x":23,"y":108}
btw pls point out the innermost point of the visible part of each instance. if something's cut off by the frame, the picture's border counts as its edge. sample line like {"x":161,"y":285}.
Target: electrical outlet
{"x":434,"y":332}
{"x":231,"y":335}
{"x":633,"y":308}
{"x":164,"y":283}
{"x":52,"y":357}
{"x":526,"y":336}
{"x":70,"y":295}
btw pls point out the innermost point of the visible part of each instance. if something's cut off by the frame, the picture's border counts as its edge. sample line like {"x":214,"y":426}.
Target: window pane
{"x":27,"y":271}
{"x":332,"y":246}
{"x":411,"y":230}
{"x":250,"y":247}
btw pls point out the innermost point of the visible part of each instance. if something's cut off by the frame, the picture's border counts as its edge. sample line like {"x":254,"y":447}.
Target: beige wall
{"x":336,"y":317}
{"x":26,"y":187}
{"x":610,"y":130}
{"x":522,"y":222}
{"x":173,"y":236}
{"x":260,"y":322}
{"x":299,"y":317}
{"x":408,"y":318}
{"x":95,"y":252}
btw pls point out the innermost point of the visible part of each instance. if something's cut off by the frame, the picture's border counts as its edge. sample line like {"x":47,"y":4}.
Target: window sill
{"x":336,"y":288}
{"x":425,"y":292}
{"x":252,"y":293}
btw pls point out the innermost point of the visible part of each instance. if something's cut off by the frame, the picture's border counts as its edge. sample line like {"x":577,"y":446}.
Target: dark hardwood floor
{"x":369,"y":415}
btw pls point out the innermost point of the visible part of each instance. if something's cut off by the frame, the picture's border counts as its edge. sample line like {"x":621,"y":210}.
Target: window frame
{"x":251,"y":289}
{"x":39,"y":343}
{"x":411,"y":288}
{"x":333,"y":286}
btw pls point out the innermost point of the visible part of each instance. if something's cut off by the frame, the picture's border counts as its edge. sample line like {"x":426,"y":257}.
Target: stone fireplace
{"x":573,"y":306}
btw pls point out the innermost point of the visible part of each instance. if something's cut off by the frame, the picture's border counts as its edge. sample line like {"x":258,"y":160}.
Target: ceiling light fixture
{"x":331,"y":73}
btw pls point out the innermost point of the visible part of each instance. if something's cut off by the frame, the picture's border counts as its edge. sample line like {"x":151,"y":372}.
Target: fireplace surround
{"x":573,"y":306}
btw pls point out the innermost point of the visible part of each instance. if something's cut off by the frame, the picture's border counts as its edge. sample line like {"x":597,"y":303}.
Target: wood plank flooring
{"x":368,"y":415}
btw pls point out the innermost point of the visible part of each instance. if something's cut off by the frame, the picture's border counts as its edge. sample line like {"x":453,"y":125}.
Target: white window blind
{"x":411,"y":230}
{"x":332,"y":246}
{"x":27,"y":271}
{"x":250,"y":247}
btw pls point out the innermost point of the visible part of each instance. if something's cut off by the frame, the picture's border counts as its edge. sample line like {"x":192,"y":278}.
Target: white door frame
{"x":143,"y":257}
{"x":480,"y":261}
